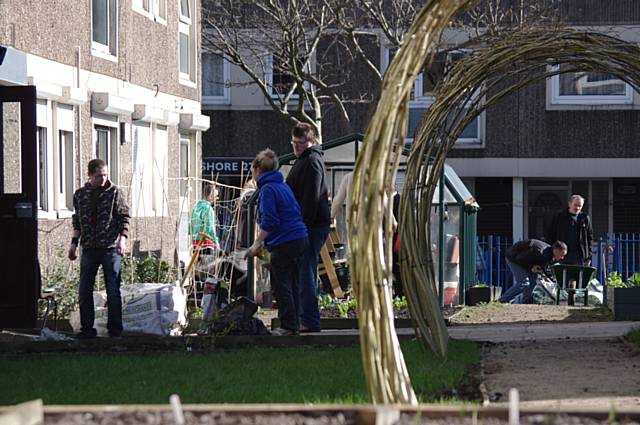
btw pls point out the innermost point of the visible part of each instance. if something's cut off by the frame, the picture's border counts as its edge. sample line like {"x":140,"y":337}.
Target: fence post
{"x":490,"y":249}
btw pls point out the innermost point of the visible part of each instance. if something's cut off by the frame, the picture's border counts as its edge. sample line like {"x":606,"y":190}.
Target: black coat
{"x":559,"y":231}
{"x":307,"y":179}
{"x":529,"y":253}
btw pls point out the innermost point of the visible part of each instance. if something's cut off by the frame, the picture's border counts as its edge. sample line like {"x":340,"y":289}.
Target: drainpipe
{"x":79,"y":120}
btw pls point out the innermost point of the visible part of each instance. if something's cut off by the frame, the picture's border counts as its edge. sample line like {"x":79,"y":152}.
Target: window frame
{"x":226,"y":76}
{"x":106,"y":51}
{"x":421,"y":101}
{"x":46,"y":205}
{"x":156,"y":10}
{"x":268,"y":78}
{"x":186,"y":26}
{"x":558,"y":99}
{"x":113,"y":149}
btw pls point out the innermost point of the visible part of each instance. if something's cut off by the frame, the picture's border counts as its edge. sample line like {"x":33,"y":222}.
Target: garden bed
{"x":325,"y":415}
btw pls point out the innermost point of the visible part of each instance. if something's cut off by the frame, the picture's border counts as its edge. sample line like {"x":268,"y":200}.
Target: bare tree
{"x":290,"y":50}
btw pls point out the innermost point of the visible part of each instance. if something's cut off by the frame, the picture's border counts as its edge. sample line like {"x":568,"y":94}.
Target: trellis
{"x":496,"y":67}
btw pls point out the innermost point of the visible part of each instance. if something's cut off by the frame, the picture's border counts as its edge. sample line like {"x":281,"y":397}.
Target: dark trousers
{"x":286,"y":261}
{"x":309,"y":311}
{"x":110,"y":260}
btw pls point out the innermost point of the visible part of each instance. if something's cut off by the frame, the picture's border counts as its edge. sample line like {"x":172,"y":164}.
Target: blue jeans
{"x":525,"y":281}
{"x":286,"y":260}
{"x":110,"y":260}
{"x":309,"y":311}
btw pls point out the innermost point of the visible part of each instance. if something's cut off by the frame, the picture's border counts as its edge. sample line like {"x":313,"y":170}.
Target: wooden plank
{"x":331,"y":271}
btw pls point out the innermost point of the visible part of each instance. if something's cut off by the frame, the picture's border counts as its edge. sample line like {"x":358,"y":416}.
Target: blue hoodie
{"x":279,"y":211}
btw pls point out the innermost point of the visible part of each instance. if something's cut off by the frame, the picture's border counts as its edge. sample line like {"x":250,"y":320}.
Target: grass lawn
{"x":634,"y":336}
{"x":262,"y":375}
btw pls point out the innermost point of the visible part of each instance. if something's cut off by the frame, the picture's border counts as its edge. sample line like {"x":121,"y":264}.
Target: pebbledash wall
{"x":119,"y":80}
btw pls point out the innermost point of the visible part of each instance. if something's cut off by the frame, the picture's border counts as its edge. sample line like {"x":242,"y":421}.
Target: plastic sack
{"x":148,"y":308}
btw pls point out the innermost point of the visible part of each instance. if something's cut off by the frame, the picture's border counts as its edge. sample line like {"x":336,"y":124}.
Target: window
{"x":43,"y":169}
{"x":65,"y":170}
{"x":153,"y":9}
{"x":183,"y":171}
{"x":589,"y":88}
{"x":187,"y":49}
{"x":215,"y":78}
{"x":141,"y":192}
{"x":106,"y":148}
{"x":279,"y":80}
{"x":45,"y":156}
{"x":160,"y":169}
{"x":63,"y":173}
{"x":104,"y":19}
{"x":423,"y":92}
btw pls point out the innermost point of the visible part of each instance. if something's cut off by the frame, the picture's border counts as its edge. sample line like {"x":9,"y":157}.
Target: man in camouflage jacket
{"x":101,"y":227}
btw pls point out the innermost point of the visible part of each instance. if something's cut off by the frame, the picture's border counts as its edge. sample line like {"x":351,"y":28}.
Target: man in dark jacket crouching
{"x":527,"y":259}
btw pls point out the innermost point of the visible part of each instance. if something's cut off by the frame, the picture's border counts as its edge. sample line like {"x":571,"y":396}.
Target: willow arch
{"x":472,"y":86}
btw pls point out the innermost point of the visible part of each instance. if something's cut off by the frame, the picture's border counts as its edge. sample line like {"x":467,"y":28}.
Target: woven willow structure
{"x":496,"y":68}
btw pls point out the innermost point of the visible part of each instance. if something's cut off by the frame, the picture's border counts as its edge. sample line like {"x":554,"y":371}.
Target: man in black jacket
{"x":307,"y":180}
{"x":527,"y":259}
{"x":573,"y":227}
{"x":101,"y":227}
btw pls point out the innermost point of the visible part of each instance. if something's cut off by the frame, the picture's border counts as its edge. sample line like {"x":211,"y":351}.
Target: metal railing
{"x":618,"y":252}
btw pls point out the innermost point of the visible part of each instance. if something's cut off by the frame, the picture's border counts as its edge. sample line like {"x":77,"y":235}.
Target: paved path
{"x":521,"y":331}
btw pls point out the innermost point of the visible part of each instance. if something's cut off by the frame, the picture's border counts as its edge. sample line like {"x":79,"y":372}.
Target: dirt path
{"x":588,"y":373}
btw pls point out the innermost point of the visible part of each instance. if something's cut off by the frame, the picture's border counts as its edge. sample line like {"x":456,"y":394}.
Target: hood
{"x":274,"y":176}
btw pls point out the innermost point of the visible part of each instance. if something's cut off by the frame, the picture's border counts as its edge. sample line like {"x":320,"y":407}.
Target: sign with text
{"x":223,"y":166}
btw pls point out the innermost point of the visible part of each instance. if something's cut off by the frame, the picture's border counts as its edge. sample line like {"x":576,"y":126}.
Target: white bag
{"x":149,"y":308}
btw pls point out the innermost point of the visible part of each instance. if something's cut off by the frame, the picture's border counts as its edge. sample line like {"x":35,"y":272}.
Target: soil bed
{"x":512,"y":313}
{"x":214,"y":418}
{"x":525,"y":420}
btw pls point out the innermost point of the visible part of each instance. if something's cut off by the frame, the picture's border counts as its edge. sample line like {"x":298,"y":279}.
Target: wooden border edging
{"x":349,"y":323}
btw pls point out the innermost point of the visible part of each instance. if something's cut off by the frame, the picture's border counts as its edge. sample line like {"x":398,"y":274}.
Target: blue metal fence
{"x":619,"y":252}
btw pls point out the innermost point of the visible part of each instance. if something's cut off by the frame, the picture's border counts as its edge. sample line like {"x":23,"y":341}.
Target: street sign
{"x":223,"y":166}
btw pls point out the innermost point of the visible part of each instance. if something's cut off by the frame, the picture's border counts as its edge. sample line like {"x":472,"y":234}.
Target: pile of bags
{"x":148,"y":308}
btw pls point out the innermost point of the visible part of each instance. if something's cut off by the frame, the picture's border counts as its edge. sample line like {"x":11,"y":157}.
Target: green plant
{"x":634,"y":281}
{"x":326,"y":302}
{"x":480,"y":285}
{"x":147,"y":270}
{"x":63,"y":277}
{"x":614,"y":280}
{"x":400,"y":303}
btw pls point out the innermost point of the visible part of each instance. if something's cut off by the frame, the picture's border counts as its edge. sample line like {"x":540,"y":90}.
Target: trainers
{"x":283,"y":332}
{"x":306,"y":329}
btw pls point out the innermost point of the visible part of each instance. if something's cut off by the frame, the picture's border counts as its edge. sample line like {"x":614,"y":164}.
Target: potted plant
{"x":482,"y":293}
{"x":623,"y":298}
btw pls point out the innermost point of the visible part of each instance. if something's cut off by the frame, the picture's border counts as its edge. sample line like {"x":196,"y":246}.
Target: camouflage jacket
{"x":111,"y":219}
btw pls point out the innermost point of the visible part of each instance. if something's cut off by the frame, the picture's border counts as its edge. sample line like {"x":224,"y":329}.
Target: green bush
{"x":614,"y":280}
{"x":147,"y":270}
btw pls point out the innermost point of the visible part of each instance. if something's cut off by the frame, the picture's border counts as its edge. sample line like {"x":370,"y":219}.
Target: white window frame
{"x":63,"y":165}
{"x":558,"y":99}
{"x":225,"y":99}
{"x":186,"y":27}
{"x":160,"y":179}
{"x":142,"y":179}
{"x":156,"y":10}
{"x":268,"y":78}
{"x":113,"y":149}
{"x":45,"y":128}
{"x":106,"y":51}
{"x":420,"y":101}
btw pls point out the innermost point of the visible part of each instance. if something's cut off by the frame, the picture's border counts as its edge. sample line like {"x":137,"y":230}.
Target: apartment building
{"x":522,"y":158}
{"x":117,"y":80}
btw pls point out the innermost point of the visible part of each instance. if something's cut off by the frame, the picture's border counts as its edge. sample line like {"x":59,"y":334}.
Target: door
{"x":19,"y":284}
